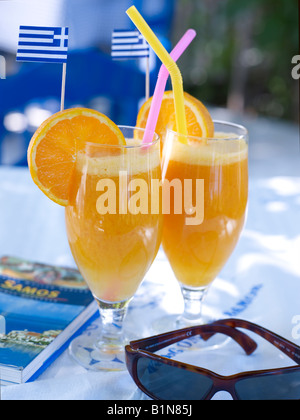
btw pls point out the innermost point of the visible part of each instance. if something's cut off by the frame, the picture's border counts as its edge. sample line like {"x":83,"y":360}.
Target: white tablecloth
{"x":260,"y":282}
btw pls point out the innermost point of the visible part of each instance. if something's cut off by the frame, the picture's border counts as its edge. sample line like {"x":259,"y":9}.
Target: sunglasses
{"x":164,"y":379}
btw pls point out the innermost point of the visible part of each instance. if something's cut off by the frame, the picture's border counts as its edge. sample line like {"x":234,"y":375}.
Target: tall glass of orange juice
{"x":113,"y":235}
{"x":206,"y":218}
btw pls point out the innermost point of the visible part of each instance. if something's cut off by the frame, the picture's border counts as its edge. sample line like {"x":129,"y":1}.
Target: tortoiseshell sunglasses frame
{"x":146,"y":347}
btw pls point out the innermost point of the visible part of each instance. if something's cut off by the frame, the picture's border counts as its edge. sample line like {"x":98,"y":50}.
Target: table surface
{"x":260,"y":282}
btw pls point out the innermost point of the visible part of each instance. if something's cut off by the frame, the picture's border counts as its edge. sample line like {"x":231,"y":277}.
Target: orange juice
{"x":112,"y":251}
{"x":198,"y":253}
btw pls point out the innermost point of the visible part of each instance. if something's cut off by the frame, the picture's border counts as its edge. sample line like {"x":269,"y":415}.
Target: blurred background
{"x":240,"y":61}
{"x":242,"y":55}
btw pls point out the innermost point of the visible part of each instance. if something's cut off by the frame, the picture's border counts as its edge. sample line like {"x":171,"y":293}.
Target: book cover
{"x":42,"y":308}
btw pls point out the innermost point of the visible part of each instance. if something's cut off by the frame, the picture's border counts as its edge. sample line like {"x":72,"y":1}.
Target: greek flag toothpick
{"x":130,"y":44}
{"x":44,"y":44}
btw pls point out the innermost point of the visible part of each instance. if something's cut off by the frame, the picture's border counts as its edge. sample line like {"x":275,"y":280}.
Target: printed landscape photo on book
{"x":41,"y":308}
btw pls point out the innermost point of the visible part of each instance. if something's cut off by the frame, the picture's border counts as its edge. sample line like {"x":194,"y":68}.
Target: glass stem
{"x":112,"y":317}
{"x":193,"y":299}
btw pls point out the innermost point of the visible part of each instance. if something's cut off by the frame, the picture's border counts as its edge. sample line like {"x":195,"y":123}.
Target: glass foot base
{"x":96,"y":355}
{"x":176,"y":322}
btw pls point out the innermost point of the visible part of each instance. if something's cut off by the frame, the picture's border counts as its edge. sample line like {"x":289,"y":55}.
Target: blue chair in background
{"x":94,"y":80}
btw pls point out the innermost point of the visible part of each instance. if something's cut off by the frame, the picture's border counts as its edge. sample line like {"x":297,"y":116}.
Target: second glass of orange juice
{"x":113,"y":236}
{"x":199,"y":240}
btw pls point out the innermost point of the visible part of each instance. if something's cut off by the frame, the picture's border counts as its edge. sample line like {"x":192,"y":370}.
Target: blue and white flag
{"x":43,"y":44}
{"x":128,"y":44}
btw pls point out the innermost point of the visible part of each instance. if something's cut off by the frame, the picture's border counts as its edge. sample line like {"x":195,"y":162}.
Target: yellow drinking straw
{"x":169,"y":63}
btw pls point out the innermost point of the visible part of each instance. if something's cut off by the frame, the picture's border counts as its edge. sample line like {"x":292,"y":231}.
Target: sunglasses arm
{"x":286,"y":346}
{"x":158,"y":342}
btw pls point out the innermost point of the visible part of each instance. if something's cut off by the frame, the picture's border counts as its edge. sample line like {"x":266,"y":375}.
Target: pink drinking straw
{"x":161,"y":85}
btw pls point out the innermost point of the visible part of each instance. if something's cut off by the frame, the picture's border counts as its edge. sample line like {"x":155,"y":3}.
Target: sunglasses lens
{"x":282,"y":386}
{"x":168,"y":382}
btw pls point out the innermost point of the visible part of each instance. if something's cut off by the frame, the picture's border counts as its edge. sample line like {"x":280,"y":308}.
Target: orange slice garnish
{"x":53,"y":148}
{"x":199,"y":121}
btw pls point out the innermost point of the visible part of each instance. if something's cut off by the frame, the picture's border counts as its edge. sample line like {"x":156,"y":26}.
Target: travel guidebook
{"x":42,"y":308}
